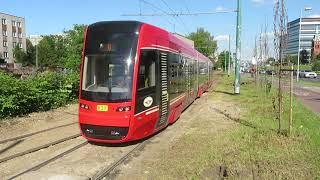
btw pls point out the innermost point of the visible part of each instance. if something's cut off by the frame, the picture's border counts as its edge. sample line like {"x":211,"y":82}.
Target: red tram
{"x":135,"y":80}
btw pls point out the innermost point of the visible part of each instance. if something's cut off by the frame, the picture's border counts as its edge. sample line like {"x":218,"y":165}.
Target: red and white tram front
{"x":107,"y":78}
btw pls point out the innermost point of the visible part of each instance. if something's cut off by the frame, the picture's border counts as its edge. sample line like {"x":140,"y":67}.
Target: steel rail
{"x":39,"y":147}
{"x":38,"y":166}
{"x":103,"y":173}
{"x":33,"y":133}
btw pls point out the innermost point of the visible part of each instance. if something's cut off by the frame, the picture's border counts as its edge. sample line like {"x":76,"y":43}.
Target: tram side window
{"x":175,"y":75}
{"x":147,"y":70}
{"x":203,"y":70}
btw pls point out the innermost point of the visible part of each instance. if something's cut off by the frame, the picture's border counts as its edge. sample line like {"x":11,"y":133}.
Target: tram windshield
{"x":107,"y":76}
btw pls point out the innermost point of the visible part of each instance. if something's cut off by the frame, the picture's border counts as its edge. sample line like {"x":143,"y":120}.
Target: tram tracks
{"x":101,"y":173}
{"x":44,"y":163}
{"x":98,"y":176}
{"x":34,"y":133}
{"x":106,"y":171}
{"x":39,"y":148}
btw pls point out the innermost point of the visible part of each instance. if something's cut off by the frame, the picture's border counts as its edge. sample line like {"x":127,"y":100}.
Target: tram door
{"x":194,"y":79}
{"x":188,"y":79}
{"x":163,"y":91}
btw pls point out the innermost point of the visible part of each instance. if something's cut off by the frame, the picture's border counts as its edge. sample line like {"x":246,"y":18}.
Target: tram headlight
{"x":123,"y":108}
{"x":84,"y":106}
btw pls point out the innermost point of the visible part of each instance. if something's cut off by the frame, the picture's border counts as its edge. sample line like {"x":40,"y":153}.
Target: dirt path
{"x":31,"y":123}
{"x":38,"y":121}
{"x":200,"y":118}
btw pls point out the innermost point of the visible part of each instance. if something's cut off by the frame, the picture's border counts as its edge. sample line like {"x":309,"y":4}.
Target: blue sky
{"x":51,"y":17}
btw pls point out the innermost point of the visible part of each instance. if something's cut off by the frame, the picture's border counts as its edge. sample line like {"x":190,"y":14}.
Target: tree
{"x":27,"y":57}
{"x":73,"y":44}
{"x":223,"y":56}
{"x":62,"y":50}
{"x":304,"y":58}
{"x":271,"y":60}
{"x":31,"y":54}
{"x":292,"y":58}
{"x":19,"y":54}
{"x":316,"y":63}
{"x":203,"y":42}
{"x":47,"y":54}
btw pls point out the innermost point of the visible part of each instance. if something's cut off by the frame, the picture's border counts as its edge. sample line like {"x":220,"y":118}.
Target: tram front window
{"x":107,"y":78}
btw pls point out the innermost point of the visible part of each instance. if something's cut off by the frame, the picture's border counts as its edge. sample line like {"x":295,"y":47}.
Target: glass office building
{"x":307,"y":32}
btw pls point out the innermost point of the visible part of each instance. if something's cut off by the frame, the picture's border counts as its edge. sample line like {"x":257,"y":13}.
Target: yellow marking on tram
{"x":102,"y":108}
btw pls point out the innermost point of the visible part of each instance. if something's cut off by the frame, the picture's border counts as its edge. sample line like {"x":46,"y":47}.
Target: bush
{"x":40,"y":93}
{"x":316,"y":66}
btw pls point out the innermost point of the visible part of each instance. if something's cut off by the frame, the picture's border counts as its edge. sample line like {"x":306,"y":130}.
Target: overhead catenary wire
{"x":178,"y":18}
{"x":165,"y":12}
{"x":158,"y":9}
{"x":175,"y":14}
{"x":182,"y":14}
{"x":186,"y":5}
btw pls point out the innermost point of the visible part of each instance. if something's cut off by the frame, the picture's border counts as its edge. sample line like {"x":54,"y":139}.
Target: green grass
{"x":250,"y":149}
{"x":309,"y":83}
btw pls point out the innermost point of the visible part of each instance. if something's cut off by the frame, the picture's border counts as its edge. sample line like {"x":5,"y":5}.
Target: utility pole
{"x":238,"y":50}
{"x":225,"y":61}
{"x":229,"y":58}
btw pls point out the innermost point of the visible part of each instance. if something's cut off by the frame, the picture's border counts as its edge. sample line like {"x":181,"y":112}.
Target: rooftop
{"x":10,"y":15}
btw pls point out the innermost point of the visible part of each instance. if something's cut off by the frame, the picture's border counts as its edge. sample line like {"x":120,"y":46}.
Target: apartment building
{"x":306,"y":29}
{"x":13,"y":34}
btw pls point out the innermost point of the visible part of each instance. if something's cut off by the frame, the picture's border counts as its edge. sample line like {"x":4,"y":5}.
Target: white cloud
{"x":221,"y":38}
{"x":314,"y":16}
{"x":262,"y":2}
{"x":258,"y":1}
{"x":219,"y":8}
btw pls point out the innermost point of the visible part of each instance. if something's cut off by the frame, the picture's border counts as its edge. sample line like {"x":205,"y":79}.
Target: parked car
{"x":307,"y":74}
{"x":270,"y":72}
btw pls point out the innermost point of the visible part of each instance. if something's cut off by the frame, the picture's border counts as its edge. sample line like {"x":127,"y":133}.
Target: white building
{"x":13,"y":34}
{"x":35,"y":39}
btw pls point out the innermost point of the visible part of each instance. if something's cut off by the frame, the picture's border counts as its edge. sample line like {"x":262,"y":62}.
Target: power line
{"x":182,"y":14}
{"x":186,"y":5}
{"x":177,"y":18}
{"x":157,"y":8}
{"x":161,"y":10}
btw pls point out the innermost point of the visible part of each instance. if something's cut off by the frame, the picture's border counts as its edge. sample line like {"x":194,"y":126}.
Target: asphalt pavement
{"x":309,"y":96}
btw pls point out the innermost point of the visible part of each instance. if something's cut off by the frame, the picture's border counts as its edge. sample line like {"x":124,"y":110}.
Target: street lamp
{"x":305,"y":9}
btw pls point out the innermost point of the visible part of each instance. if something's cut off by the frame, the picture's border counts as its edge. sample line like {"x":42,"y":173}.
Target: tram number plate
{"x":102,"y":108}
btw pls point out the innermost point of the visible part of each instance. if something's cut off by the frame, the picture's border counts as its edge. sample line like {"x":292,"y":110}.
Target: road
{"x":309,"y":96}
